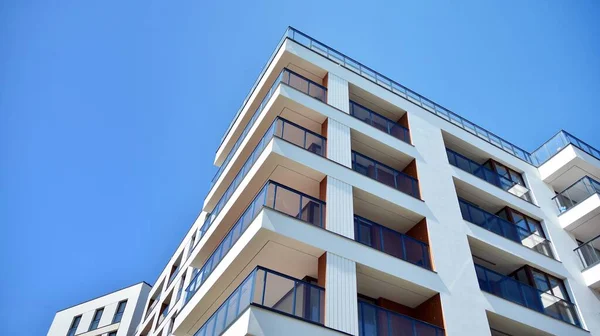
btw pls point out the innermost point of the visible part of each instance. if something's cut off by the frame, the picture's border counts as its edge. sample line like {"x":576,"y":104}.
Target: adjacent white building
{"x":347,"y":204}
{"x":114,"y":314}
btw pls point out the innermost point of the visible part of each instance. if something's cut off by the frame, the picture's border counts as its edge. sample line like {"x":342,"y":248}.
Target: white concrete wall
{"x":135,"y":295}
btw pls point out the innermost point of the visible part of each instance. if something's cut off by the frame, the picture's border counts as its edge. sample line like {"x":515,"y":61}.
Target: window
{"x":74,"y":325}
{"x":524,"y":222}
{"x":96,"y":320}
{"x":171,"y":326}
{"x":180,"y":289}
{"x":119,"y":313}
{"x":112,"y":333}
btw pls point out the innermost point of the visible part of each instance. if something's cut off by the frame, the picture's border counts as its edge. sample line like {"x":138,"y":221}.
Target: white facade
{"x":121,"y":314}
{"x":346,"y":204}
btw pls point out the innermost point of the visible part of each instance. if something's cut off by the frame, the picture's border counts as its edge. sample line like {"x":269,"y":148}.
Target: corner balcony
{"x":280,"y":128}
{"x":589,"y":255}
{"x":462,"y":162}
{"x":579,"y":207}
{"x":272,"y":195}
{"x":500,"y":226}
{"x":270,"y":291}
{"x":531,"y":298}
{"x":564,"y":159}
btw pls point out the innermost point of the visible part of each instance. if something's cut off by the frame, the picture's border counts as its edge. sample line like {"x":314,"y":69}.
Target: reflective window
{"x":119,"y":312}
{"x":74,"y":325}
{"x":96,"y":319}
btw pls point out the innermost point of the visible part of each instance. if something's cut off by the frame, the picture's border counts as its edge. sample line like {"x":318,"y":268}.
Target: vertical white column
{"x":341,"y":305}
{"x":337,"y":92}
{"x":463,"y":303}
{"x":338,"y":143}
{"x":339,"y":214}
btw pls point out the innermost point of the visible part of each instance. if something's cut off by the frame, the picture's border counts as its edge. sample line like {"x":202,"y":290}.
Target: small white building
{"x":114,"y":314}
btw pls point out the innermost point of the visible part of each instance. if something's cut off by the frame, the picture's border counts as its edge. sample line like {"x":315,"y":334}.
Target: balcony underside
{"x":583,"y":220}
{"x":260,"y":321}
{"x":512,"y":327}
{"x":568,"y":166}
{"x":290,"y":246}
{"x":527,"y":320}
{"x":504,"y":256}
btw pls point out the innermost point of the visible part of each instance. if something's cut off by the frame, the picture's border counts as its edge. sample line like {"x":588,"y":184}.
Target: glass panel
{"x":287,"y":202}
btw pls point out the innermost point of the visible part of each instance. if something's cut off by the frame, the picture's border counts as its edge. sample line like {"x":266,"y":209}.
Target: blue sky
{"x":111,"y":112}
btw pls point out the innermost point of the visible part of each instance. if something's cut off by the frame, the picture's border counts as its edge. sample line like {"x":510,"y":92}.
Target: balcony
{"x":289,"y":78}
{"x":576,"y":193}
{"x":488,"y":175}
{"x":273,"y":291}
{"x":579,"y":206}
{"x":380,"y":122}
{"x":385,"y":174}
{"x":405,"y":93}
{"x":504,"y":228}
{"x":391,"y":242}
{"x":280,"y":128}
{"x":377,"y":321}
{"x":526,"y":296}
{"x":152,"y":306}
{"x":272,"y":195}
{"x":589,"y":255}
{"x":564,"y":159}
{"x":557,"y":143}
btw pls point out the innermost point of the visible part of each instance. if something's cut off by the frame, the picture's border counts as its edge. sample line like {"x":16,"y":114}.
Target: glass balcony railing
{"x":589,"y":253}
{"x":173,"y":276}
{"x":152,"y":306}
{"x":163,"y":315}
{"x":391,"y":242}
{"x":290,"y":78}
{"x":561,"y":140}
{"x":387,"y":175}
{"x":527,"y":296}
{"x":380,"y":122}
{"x":280,"y":128}
{"x":377,"y":321}
{"x":504,"y":228}
{"x":272,"y":290}
{"x":576,"y":193}
{"x":275,"y":196}
{"x":406,"y":93}
{"x":486,"y":174}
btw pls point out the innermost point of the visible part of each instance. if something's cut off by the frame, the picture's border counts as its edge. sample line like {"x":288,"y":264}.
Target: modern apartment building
{"x":347,"y":204}
{"x":114,"y":314}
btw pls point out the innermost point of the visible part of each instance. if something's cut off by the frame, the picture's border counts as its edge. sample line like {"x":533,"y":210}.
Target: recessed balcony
{"x":523,"y":235}
{"x":385,"y":174}
{"x":398,"y":129}
{"x":509,"y":181}
{"x":527,"y":296}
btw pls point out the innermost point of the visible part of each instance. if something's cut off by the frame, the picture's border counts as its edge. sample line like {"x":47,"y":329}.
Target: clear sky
{"x":111,"y":112}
